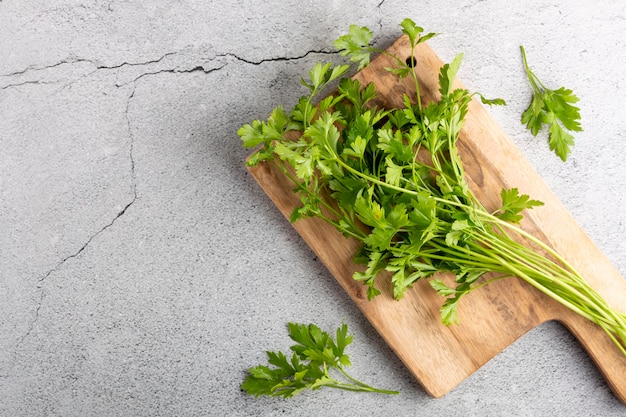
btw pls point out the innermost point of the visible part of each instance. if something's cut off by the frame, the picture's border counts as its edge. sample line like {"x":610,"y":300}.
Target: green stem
{"x":373,"y":179}
{"x":521,"y":232}
{"x":609,"y":329}
{"x":566,"y":287}
{"x":418,"y":97}
{"x":535,"y":82}
{"x":355,"y":388}
{"x":364,"y":386}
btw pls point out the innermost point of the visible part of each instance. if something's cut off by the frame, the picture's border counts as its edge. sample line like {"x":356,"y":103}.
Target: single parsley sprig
{"x":554,"y":108}
{"x":315,"y":354}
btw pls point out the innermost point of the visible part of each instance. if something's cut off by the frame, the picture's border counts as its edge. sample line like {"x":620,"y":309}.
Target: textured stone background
{"x":142,"y":270}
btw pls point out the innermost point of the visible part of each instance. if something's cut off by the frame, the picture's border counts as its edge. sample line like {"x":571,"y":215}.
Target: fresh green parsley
{"x":399,"y":172}
{"x":513,"y":204}
{"x":313,"y":357}
{"x":554,"y":108}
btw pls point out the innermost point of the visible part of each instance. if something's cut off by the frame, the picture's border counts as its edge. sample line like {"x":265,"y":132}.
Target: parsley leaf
{"x":356,"y":45}
{"x":314,"y":355}
{"x":554,"y":108}
{"x":414,"y":32}
{"x":513,"y":203}
{"x":319,"y":75}
{"x":448,"y":74}
{"x":560,"y":141}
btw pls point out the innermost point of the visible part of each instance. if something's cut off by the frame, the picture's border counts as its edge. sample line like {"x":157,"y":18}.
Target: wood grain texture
{"x":492,"y":318}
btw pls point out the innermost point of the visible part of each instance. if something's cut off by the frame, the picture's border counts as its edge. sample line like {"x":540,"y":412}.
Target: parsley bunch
{"x":554,"y":108}
{"x":314,"y":355}
{"x":398,"y":173}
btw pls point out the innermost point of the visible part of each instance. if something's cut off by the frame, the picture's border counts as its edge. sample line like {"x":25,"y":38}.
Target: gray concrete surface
{"x":142,"y":270}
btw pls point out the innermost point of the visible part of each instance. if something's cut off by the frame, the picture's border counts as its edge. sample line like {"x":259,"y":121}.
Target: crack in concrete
{"x":203,"y":68}
{"x":277,"y":59}
{"x":35,"y":82}
{"x":59,"y":265}
{"x":155,"y":61}
{"x":135,"y":64}
{"x":46,"y":67}
{"x":97,"y":67}
{"x":173,"y":71}
{"x":85,"y":245}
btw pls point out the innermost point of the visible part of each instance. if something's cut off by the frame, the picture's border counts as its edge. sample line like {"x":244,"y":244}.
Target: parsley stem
{"x":364,"y":387}
{"x":357,"y":388}
{"x":564,"y":286}
{"x":534,"y":81}
{"x":373,"y":179}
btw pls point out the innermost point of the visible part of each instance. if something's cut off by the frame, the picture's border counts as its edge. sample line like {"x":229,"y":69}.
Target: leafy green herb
{"x":513,"y":204}
{"x":398,"y":172}
{"x":554,"y":108}
{"x":314,"y":355}
{"x":356,"y":44}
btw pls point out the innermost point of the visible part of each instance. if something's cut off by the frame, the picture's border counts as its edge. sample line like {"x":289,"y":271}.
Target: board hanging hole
{"x":410,"y":61}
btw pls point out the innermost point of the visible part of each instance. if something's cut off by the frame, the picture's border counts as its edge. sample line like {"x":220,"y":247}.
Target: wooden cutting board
{"x":492,"y":318}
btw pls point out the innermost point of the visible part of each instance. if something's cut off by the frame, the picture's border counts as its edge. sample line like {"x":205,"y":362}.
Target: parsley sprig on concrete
{"x":554,"y":108}
{"x":315,"y":356}
{"x":398,"y":172}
